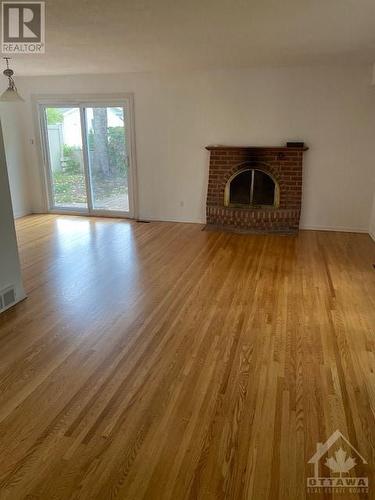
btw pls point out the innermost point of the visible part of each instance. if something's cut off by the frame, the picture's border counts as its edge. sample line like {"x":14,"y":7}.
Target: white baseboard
{"x":23,"y":213}
{"x":339,"y":229}
{"x":173,"y":219}
{"x":372,"y":235}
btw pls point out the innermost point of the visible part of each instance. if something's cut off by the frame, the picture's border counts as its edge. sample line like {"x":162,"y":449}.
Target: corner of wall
{"x":10,"y":269}
{"x":372,"y":220}
{"x":13,"y":136}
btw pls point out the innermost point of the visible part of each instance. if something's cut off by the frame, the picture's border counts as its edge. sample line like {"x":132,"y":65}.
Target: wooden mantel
{"x":258,"y":148}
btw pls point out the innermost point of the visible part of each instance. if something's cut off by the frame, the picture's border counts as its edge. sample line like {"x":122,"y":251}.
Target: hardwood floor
{"x":160,"y":361}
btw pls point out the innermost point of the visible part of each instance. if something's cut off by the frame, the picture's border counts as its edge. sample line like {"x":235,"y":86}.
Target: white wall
{"x":331,"y":108}
{"x":372,"y":221}
{"x":10,"y":274}
{"x":14,"y":136}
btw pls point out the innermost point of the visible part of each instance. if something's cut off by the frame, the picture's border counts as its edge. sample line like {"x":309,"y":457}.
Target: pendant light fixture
{"x":10,"y":94}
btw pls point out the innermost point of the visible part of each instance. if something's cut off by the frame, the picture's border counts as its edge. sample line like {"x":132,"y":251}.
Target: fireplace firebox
{"x":251,"y":187}
{"x":255,"y":188}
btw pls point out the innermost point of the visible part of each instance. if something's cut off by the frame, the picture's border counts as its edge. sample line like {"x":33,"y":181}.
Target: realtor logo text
{"x":23,"y":27}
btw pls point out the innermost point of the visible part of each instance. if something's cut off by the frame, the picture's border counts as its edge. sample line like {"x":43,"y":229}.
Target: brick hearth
{"x":284,"y":164}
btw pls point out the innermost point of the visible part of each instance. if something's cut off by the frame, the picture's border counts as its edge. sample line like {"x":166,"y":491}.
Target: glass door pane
{"x":108,"y":158}
{"x":263,"y":189}
{"x":65,"y":158}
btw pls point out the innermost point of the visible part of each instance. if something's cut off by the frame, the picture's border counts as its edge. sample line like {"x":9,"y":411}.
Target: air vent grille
{"x":7,"y":298}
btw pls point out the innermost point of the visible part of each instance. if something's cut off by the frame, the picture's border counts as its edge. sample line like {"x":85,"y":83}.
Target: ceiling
{"x":116,"y":36}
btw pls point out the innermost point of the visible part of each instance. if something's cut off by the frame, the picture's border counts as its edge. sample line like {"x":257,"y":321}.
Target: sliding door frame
{"x":126,"y":102}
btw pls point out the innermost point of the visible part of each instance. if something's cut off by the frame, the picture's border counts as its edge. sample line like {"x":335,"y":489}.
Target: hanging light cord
{"x":9,"y":74}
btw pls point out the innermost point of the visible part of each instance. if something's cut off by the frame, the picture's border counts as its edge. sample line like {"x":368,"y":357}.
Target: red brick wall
{"x":285,"y":166}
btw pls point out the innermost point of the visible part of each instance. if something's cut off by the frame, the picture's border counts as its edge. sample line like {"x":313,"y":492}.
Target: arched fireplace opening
{"x":251,"y":187}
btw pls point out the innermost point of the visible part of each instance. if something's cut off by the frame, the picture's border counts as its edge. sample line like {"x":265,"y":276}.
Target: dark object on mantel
{"x":295,"y":144}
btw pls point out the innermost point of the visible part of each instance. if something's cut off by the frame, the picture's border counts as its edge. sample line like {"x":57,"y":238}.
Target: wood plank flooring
{"x":160,"y":361}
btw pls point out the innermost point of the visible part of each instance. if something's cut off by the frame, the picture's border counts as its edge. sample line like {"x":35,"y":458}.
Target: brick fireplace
{"x":255,"y":188}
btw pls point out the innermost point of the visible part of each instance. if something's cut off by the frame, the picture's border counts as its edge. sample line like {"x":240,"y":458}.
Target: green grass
{"x":71,"y":188}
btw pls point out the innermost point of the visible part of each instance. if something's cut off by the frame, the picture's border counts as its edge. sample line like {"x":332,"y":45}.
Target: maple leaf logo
{"x":340,"y":463}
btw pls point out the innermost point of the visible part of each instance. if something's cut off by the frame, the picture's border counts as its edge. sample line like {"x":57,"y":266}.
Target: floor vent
{"x":7,"y":298}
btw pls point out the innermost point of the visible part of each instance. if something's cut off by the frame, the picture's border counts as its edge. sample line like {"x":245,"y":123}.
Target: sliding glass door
{"x":108,"y":159}
{"x":88,"y":158}
{"x":65,"y":154}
